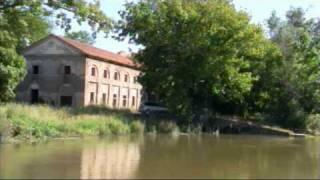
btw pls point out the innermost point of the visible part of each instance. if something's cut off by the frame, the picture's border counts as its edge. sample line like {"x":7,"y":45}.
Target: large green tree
{"x":24,"y":21}
{"x":197,"y":54}
{"x":296,"y":90}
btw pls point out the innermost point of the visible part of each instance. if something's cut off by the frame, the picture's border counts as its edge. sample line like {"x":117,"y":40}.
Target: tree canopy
{"x":82,"y":36}
{"x":23,"y":22}
{"x":297,"y":92}
{"x":198,"y":54}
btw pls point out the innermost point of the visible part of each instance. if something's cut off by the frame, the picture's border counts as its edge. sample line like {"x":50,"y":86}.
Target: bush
{"x":3,"y":123}
{"x":137,"y":127}
{"x":313,"y":122}
{"x":167,"y":127}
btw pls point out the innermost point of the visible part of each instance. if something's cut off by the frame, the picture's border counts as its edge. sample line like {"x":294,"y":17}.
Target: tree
{"x":82,"y":36}
{"x":198,"y":54}
{"x":295,"y":93}
{"x":23,"y":22}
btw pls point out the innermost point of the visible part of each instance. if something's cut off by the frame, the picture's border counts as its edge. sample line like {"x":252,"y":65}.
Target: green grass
{"x":20,"y":121}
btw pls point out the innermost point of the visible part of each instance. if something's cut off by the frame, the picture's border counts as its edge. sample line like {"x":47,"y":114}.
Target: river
{"x":161,"y":156}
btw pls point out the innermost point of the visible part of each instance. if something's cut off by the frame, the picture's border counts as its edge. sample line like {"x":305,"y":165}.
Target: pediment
{"x":51,"y":46}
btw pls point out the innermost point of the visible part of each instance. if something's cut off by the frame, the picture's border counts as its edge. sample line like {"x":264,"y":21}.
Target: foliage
{"x":167,"y":127}
{"x":198,"y":54}
{"x":40,"y":122}
{"x":82,"y":36}
{"x":294,"y":91}
{"x":23,"y":22}
{"x":313,"y":122}
{"x":137,"y":127}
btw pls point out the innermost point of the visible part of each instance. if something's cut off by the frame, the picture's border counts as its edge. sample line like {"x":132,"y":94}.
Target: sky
{"x":259,"y":11}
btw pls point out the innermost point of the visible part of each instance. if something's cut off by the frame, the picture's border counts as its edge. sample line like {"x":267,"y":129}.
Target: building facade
{"x":65,"y":72}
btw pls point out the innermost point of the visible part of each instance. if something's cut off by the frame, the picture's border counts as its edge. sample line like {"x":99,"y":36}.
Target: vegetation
{"x":31,"y":24}
{"x":209,"y":56}
{"x":295,"y":93}
{"x":82,"y":36}
{"x":40,"y":122}
{"x":212,"y":60}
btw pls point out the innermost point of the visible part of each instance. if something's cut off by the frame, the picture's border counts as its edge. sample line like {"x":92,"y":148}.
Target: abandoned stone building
{"x":65,"y":72}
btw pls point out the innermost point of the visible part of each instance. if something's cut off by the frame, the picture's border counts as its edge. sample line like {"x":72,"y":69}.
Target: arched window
{"x":126,"y":78}
{"x":124,"y":101}
{"x":114,"y":100}
{"x":106,"y":73}
{"x":93,"y":71}
{"x":135,"y":80}
{"x":116,"y":75}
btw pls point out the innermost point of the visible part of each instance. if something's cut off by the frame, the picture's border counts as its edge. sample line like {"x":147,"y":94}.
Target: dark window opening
{"x":34,"y":96}
{"x":104,"y":98}
{"x":114,"y":101}
{"x":66,"y":101}
{"x":133,"y":102}
{"x":93,"y":71}
{"x":67,"y":70}
{"x":92,"y":97}
{"x":126,"y":78}
{"x":116,"y":76}
{"x":124,"y":101}
{"x":35,"y":69}
{"x":135,"y":79}
{"x":105,"y":74}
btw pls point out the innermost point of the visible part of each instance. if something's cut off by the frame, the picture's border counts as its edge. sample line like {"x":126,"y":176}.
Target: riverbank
{"x":26,"y":122}
{"x":20,"y":122}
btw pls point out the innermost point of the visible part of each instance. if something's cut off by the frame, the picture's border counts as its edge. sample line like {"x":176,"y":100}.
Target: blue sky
{"x":259,"y":10}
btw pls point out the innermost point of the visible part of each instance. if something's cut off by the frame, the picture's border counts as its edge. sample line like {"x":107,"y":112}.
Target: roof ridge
{"x":98,"y":53}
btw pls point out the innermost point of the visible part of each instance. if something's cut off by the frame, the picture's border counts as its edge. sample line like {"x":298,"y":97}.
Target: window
{"x":114,"y":101}
{"x":93,"y":71}
{"x":67,"y":70}
{"x":133,"y":102}
{"x":104,"y":98}
{"x":135,"y":80}
{"x":105,"y":73}
{"x":92,"y":97}
{"x":126,"y":78}
{"x":116,"y":76}
{"x":35,"y":69}
{"x":124,"y":101}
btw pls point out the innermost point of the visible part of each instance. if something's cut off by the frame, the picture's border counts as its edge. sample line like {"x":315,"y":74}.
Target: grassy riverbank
{"x":25,"y":122}
{"x":33,"y":123}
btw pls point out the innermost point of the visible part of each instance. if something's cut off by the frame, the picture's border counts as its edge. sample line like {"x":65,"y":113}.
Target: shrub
{"x":167,"y":127}
{"x":3,"y":123}
{"x":137,"y":127}
{"x":313,"y":122}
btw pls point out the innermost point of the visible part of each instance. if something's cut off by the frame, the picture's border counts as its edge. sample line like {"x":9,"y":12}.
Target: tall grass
{"x":41,"y":121}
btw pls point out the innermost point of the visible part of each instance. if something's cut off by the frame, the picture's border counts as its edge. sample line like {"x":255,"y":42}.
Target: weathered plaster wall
{"x":100,"y":85}
{"x":51,"y":57}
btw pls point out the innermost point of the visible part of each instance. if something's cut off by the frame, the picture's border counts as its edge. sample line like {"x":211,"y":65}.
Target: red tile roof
{"x":99,"y":54}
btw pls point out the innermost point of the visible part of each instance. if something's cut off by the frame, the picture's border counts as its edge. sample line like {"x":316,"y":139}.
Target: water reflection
{"x":116,"y":160}
{"x":230,"y":157}
{"x":164,"y":157}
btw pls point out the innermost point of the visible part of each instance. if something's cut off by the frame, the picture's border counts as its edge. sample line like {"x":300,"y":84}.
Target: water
{"x":164,"y":157}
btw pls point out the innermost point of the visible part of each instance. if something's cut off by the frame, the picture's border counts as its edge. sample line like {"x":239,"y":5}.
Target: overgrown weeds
{"x":41,"y":122}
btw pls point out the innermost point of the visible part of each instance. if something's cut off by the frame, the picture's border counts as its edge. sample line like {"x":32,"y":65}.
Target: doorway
{"x":66,"y":101}
{"x":34,"y":96}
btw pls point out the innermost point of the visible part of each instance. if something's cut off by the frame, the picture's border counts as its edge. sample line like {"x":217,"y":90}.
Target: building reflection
{"x":118,"y":160}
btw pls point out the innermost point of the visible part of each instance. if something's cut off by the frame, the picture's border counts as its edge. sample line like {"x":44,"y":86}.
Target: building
{"x":65,"y":72}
